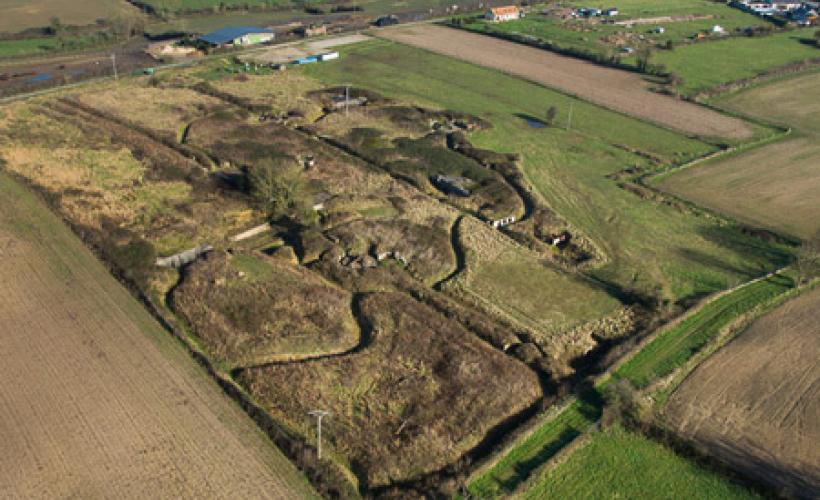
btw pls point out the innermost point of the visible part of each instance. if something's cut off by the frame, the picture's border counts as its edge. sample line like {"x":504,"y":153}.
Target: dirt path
{"x":616,"y":89}
{"x":96,"y":400}
{"x":756,"y":403}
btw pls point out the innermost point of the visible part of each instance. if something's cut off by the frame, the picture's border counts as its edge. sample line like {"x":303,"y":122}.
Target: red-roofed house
{"x":501,"y":14}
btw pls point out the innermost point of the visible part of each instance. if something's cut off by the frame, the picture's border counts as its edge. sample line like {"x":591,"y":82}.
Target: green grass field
{"x":26,"y":47}
{"x":705,"y":65}
{"x":540,"y":446}
{"x":660,"y":357}
{"x":652,"y":248}
{"x":617,"y":463}
{"x":18,"y":15}
{"x":598,"y":38}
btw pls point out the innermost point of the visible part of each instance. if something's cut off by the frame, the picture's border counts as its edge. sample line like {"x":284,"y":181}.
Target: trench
{"x":366,"y":338}
{"x":458,"y":251}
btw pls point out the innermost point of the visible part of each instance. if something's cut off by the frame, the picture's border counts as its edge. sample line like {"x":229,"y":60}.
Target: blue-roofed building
{"x":238,"y":35}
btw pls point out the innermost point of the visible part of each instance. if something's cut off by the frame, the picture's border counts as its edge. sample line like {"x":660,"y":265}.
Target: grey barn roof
{"x":231,"y":33}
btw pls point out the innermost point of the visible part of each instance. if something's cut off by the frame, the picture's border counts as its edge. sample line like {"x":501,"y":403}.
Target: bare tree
{"x":551,"y":112}
{"x":277,"y":186}
{"x":808,"y":258}
{"x":643,"y":56}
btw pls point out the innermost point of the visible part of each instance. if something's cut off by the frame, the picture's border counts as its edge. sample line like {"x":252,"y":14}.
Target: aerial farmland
{"x":476,"y":257}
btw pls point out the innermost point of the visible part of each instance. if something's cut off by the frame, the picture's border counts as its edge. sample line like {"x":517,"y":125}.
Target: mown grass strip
{"x":617,"y":463}
{"x":672,"y":348}
{"x":538,"y":448}
{"x":660,"y":357}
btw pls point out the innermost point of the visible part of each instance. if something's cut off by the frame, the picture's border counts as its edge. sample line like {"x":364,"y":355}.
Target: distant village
{"x":800,"y":13}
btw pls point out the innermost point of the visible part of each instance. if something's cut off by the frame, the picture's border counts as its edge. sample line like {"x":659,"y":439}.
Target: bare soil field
{"x":619,"y":90}
{"x":756,"y":403}
{"x":96,"y":400}
{"x":776,"y":185}
{"x":21,"y":14}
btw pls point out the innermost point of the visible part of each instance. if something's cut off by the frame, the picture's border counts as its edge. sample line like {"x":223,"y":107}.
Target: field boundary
{"x":663,"y":388}
{"x":290,"y":444}
{"x":608,"y":376}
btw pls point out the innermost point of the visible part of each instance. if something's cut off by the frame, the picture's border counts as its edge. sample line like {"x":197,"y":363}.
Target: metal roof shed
{"x":231,"y":33}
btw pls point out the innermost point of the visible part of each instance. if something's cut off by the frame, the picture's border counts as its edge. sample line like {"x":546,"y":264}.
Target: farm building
{"x":386,"y":21}
{"x":501,"y":14}
{"x":311,"y":30}
{"x":237,"y":36}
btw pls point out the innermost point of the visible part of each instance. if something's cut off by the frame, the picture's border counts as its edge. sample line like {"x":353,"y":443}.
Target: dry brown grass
{"x":253,"y":309}
{"x":423,"y":392}
{"x":755,"y":404}
{"x":506,"y":279}
{"x":167,"y":110}
{"x":282,"y":91}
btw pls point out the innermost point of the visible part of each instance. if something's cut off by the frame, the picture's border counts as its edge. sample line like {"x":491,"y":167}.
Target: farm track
{"x":612,"y":88}
{"x":99,"y":401}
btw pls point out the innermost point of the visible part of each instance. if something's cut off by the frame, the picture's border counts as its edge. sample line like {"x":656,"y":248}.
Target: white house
{"x":501,"y":14}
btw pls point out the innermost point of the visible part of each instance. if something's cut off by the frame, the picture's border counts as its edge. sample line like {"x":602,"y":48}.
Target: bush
{"x":136,"y":259}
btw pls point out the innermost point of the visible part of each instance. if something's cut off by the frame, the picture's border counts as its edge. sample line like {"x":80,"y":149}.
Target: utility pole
{"x":569,"y":118}
{"x":347,"y":98}
{"x":114,"y":64}
{"x":319,"y":414}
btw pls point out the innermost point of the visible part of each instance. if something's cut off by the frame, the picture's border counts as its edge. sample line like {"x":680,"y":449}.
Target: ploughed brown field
{"x":616,"y":89}
{"x":775,"y":185}
{"x":96,"y":400}
{"x":756,"y":403}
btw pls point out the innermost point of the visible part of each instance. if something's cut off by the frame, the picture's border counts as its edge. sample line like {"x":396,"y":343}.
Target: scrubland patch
{"x":251,"y":309}
{"x":421,"y":392}
{"x":283,"y":92}
{"x":163,"y":109}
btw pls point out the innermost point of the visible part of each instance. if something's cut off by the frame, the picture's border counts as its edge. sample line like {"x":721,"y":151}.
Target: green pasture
{"x":617,"y":463}
{"x":705,"y":65}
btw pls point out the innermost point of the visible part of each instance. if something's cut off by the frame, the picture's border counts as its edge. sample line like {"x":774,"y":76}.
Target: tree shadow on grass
{"x":754,"y":257}
{"x":525,"y":468}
